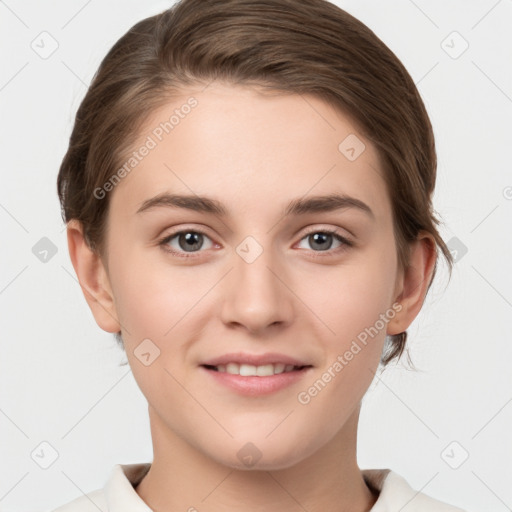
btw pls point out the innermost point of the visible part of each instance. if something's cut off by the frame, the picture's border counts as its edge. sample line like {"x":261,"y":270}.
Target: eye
{"x":322,"y":240}
{"x":186,"y":241}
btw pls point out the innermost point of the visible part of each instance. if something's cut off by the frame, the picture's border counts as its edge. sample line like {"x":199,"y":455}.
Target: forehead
{"x":240,"y":142}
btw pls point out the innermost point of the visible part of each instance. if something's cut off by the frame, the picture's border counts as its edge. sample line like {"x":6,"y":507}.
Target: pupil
{"x":191,"y":241}
{"x":320,"y":238}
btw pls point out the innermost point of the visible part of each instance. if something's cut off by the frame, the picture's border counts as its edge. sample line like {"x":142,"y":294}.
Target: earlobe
{"x":93,"y":278}
{"x":414,"y":282}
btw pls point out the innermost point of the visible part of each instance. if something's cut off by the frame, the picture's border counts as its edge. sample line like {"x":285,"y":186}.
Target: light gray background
{"x":60,"y":379}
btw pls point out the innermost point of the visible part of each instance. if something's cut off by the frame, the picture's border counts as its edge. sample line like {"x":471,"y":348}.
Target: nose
{"x":256,"y":294}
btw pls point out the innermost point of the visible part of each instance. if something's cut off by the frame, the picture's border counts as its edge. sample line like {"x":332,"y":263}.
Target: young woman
{"x":248,"y":194}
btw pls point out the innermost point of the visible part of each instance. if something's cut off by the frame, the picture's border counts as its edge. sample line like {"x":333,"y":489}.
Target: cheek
{"x":150,"y":298}
{"x":351,"y":297}
{"x":354,"y":304}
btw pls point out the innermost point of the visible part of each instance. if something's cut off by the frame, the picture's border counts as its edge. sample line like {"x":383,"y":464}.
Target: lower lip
{"x":256,"y":386}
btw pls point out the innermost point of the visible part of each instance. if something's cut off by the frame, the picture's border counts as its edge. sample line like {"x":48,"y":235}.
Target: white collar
{"x":393,"y":490}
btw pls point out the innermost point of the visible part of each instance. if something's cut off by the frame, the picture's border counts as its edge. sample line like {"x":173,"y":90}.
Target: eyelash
{"x":163,"y":243}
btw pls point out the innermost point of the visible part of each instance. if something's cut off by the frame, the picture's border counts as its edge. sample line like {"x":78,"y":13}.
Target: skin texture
{"x":254,"y":153}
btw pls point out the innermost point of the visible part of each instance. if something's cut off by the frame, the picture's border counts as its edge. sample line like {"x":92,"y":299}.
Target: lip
{"x":255,"y":359}
{"x":254,"y":385}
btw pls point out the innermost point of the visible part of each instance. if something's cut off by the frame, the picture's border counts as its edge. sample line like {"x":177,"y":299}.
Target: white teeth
{"x":263,"y":371}
{"x":279,"y":368}
{"x":248,"y":370}
{"x":233,"y":368}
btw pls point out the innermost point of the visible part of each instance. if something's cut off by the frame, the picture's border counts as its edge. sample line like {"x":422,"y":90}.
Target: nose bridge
{"x":256,"y":296}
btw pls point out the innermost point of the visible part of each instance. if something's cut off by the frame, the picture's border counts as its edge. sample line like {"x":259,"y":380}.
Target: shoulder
{"x":91,"y":502}
{"x":118,"y":494}
{"x":395,"y":493}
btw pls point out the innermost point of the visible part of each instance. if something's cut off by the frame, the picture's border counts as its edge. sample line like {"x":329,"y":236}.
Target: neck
{"x":182,"y":478}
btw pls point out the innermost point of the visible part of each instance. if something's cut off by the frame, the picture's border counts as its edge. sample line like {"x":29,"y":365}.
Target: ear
{"x":93,"y":278}
{"x":412,"y":282}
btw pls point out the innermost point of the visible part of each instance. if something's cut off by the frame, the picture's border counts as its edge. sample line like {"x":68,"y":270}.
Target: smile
{"x":248,"y":370}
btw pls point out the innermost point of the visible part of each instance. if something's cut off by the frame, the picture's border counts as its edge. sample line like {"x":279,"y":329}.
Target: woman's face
{"x":246,"y":275}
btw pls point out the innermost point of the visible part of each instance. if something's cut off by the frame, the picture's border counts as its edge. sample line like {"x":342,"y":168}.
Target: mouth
{"x":249,"y":370}
{"x":255,"y":374}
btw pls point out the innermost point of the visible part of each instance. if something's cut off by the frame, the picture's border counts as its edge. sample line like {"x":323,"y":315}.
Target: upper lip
{"x":255,"y":359}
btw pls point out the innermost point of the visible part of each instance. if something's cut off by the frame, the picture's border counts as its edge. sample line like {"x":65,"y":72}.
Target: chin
{"x":261,"y":455}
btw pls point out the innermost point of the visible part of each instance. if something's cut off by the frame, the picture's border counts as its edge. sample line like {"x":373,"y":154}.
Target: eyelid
{"x":328,"y":229}
{"x":163,"y":241}
{"x":334,"y":231}
{"x":346,"y":242}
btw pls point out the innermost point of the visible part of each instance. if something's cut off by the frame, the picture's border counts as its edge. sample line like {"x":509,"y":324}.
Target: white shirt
{"x":119,"y":494}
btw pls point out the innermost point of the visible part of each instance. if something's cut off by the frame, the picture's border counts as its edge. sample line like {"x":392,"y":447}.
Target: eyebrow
{"x":299,"y":206}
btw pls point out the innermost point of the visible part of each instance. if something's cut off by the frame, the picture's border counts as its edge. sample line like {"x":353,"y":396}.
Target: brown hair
{"x":294,"y":46}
